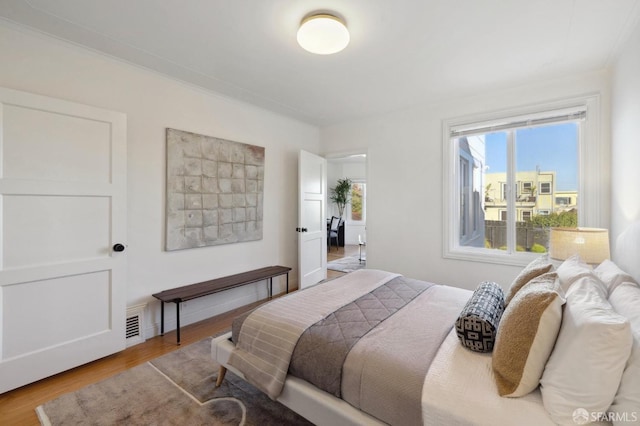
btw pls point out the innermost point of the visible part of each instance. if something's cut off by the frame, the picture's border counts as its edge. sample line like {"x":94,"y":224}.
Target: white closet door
{"x":312,"y":225}
{"x":62,"y":211}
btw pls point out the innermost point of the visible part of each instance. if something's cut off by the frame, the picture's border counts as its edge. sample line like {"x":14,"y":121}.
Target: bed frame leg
{"x":221,"y":372}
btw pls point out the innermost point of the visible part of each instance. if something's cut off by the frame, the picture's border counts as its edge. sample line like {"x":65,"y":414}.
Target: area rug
{"x":347,"y":264}
{"x":175,"y":389}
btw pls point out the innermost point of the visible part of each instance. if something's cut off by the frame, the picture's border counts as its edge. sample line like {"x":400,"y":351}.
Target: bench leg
{"x":162,"y":318}
{"x":178,"y":321}
{"x":221,"y":372}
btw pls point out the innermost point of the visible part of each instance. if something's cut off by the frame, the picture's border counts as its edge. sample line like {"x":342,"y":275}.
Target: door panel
{"x":312,"y":241}
{"x":24,"y":312}
{"x":37,"y":229}
{"x":54,"y":146}
{"x":313,"y":214}
{"x":62,"y":208}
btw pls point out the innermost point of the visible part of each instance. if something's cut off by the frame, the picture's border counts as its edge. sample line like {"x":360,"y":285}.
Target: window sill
{"x":499,"y":257}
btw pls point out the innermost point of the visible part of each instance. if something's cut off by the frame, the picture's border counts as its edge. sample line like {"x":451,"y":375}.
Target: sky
{"x":552,"y":148}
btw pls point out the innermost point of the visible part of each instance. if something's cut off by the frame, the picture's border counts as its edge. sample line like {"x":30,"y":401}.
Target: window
{"x":545,"y":187}
{"x":501,"y":173}
{"x":357,"y":201}
{"x":563,"y":201}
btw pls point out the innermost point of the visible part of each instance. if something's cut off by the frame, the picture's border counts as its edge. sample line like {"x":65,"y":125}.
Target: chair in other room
{"x":332,"y":233}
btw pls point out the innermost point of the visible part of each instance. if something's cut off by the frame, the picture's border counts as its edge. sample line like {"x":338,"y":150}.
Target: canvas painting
{"x":214,"y":191}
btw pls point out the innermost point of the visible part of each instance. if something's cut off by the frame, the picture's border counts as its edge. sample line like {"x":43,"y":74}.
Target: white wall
{"x":152,"y":102}
{"x":404,"y":148}
{"x":625,"y":137}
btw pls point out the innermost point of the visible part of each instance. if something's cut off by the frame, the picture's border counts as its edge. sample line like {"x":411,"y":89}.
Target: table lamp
{"x":591,"y":244}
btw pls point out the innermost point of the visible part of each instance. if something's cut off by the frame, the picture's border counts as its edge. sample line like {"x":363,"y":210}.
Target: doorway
{"x":350,"y":251}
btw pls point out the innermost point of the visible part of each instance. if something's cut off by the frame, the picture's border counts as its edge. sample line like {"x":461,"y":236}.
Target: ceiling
{"x":402,"y":52}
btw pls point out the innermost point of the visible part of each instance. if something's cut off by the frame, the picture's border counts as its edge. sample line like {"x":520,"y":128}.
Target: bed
{"x":407,"y":366}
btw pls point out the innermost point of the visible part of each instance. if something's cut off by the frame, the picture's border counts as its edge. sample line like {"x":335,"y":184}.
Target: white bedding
{"x":460,"y":390}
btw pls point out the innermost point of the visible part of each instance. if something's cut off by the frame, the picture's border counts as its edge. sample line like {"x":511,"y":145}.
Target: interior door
{"x":62,"y":213}
{"x":312,"y":225}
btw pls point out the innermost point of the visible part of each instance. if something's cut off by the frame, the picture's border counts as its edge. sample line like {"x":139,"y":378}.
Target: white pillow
{"x":625,"y":299}
{"x":612,"y":276}
{"x":571,"y":270}
{"x":593,"y":346}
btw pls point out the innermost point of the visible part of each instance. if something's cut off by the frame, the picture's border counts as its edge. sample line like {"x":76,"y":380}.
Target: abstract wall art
{"x":215,"y":191}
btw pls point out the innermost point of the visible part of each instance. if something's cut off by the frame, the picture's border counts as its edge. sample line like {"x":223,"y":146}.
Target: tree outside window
{"x":357,"y":201}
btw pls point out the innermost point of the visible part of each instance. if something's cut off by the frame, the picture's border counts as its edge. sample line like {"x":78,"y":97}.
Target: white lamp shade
{"x":591,"y":244}
{"x":323,"y":34}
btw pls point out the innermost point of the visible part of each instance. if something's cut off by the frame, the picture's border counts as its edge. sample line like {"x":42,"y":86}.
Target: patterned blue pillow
{"x":478,"y":322}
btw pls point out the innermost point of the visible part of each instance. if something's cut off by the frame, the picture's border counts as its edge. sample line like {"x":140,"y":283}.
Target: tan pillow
{"x":537,"y":267}
{"x":528,"y":330}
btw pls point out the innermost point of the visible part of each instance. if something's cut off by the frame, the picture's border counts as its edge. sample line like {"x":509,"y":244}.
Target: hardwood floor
{"x":17,"y":407}
{"x":339,"y":253}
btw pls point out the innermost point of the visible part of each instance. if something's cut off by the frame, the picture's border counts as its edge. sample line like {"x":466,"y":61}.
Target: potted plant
{"x":341,"y":194}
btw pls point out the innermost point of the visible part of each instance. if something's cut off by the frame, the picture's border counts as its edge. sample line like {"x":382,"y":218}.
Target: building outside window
{"x":514,"y":178}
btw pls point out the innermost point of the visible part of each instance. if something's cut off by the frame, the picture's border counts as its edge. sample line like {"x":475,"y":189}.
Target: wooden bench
{"x":193,"y":291}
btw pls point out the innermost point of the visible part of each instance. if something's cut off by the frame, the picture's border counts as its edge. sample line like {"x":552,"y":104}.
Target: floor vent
{"x":135,"y":325}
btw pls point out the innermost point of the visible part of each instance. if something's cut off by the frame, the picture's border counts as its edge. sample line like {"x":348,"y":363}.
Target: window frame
{"x":592,"y":157}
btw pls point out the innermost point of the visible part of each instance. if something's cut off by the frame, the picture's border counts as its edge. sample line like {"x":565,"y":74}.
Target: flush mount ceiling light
{"x":323,"y":34}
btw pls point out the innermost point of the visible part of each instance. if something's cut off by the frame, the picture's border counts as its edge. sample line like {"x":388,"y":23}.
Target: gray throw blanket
{"x":373,"y":348}
{"x":385,"y":371}
{"x":323,"y":347}
{"x":269,"y":334}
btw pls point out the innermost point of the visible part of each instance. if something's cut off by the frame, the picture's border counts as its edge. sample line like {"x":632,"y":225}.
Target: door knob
{"x":118,"y":247}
